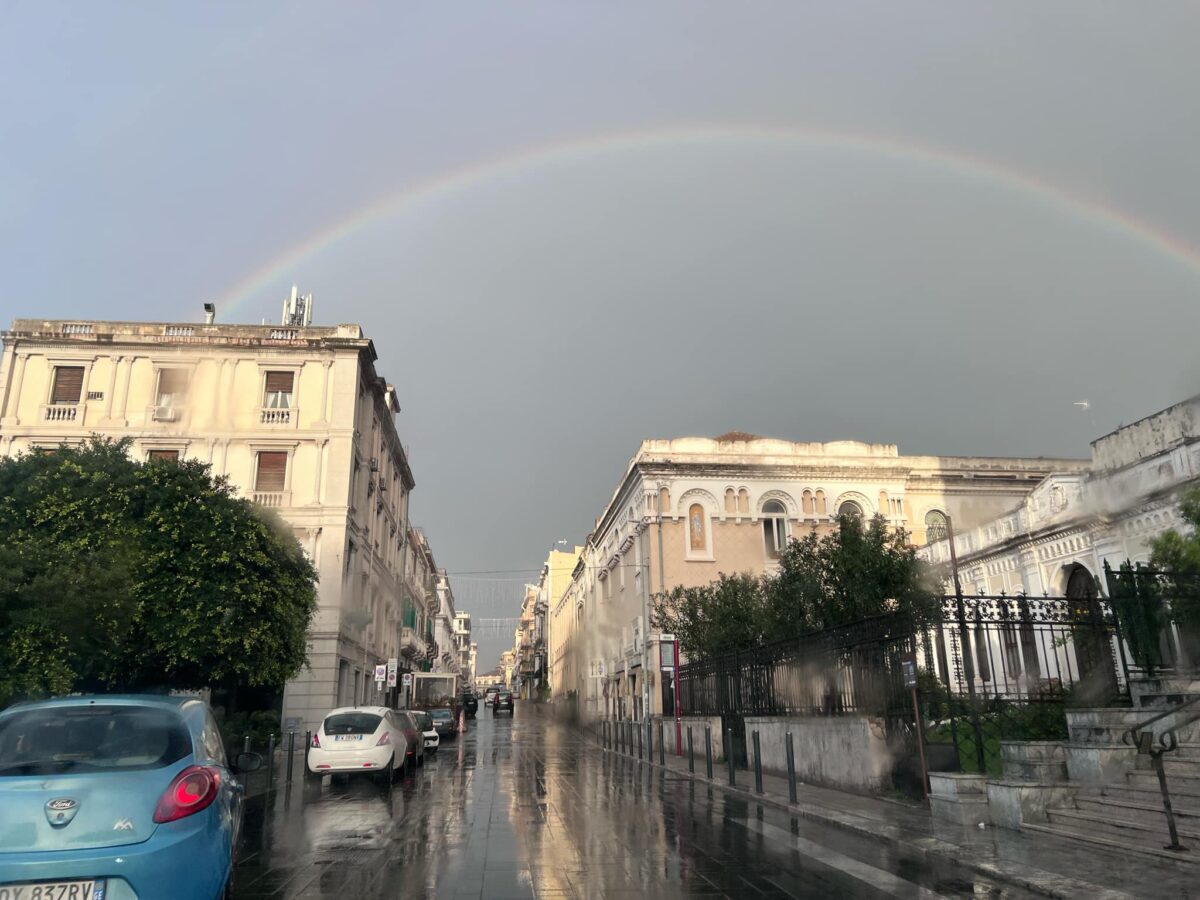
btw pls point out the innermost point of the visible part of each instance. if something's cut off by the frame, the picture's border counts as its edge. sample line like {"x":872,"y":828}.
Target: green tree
{"x":1177,"y":556}
{"x":119,"y":575}
{"x":1177,"y":553}
{"x":715,"y":618}
{"x":858,"y":570}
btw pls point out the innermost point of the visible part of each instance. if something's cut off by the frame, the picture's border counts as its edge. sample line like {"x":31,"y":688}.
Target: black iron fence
{"x":991,"y":668}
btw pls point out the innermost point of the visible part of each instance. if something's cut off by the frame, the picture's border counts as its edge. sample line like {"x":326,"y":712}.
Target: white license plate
{"x":347,"y":737}
{"x":54,"y":890}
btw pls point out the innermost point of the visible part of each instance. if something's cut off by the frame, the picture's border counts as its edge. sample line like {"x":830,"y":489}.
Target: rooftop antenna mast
{"x":297,"y":309}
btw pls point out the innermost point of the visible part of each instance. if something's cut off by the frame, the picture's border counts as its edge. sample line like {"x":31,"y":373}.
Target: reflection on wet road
{"x":526,"y":807}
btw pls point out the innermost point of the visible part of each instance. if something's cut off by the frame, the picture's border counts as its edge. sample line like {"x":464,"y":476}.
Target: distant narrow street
{"x":524,"y":807}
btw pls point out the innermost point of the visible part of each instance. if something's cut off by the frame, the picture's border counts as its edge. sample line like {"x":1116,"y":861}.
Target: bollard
{"x":307,"y":747}
{"x":246,"y":745}
{"x":729,"y":757}
{"x":691,"y":753}
{"x":639,"y":739}
{"x":291,"y":754}
{"x":758,"y":789}
{"x":791,"y":767}
{"x":708,"y":750}
{"x":271,"y":761}
{"x":649,"y":743}
{"x":662,"y":746}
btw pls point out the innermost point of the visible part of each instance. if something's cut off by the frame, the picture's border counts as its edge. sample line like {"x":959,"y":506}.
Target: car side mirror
{"x":247,"y":762}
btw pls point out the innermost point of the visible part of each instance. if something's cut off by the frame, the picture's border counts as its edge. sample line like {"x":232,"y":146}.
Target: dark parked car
{"x":413,"y":735}
{"x":470,"y":705}
{"x":503,"y":701}
{"x":444,"y":722}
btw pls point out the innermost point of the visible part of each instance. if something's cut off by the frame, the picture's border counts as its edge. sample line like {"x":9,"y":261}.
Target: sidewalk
{"x":1044,"y":864}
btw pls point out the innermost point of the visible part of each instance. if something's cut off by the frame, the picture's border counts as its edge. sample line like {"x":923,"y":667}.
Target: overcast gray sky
{"x":571,"y":226}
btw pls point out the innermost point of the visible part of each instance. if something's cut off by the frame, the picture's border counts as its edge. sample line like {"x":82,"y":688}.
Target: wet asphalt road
{"x":528,"y":807}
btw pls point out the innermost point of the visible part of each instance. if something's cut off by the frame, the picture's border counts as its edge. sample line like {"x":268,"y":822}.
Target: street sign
{"x":908,"y":666}
{"x":666,"y":638}
{"x":408,"y":679}
{"x":393,"y":664}
{"x":391,"y":678}
{"x":380,"y":672}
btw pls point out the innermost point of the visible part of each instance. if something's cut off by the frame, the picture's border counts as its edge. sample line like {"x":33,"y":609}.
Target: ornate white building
{"x":691,"y":508}
{"x":1057,"y":540}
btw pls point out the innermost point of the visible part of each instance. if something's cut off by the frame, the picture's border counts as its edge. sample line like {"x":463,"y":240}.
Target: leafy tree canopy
{"x":117,"y":575}
{"x":859,"y":570}
{"x":1178,"y":553}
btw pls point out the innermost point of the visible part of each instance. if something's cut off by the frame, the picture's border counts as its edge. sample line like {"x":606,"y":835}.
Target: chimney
{"x":210,"y":313}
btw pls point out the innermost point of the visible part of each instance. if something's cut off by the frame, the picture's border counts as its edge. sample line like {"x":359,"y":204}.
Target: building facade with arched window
{"x":1071,"y":524}
{"x":299,"y":420}
{"x":690,"y":509}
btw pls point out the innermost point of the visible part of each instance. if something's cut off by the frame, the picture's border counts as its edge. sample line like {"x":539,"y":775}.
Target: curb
{"x":1038,"y":881}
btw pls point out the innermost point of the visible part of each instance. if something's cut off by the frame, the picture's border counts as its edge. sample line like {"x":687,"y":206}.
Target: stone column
{"x":320,"y":468}
{"x":125,"y":389}
{"x":13,"y":402}
{"x":112,"y":386}
{"x":326,"y":365}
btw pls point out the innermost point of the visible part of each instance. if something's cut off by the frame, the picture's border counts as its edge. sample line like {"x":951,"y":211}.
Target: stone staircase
{"x":1101,"y":791}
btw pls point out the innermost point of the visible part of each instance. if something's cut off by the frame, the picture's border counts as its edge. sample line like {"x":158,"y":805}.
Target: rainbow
{"x":276,"y":275}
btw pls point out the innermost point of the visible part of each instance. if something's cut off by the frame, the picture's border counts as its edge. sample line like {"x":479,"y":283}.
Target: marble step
{"x":1146,"y":809}
{"x":1124,"y":831}
{"x":1151,"y":849}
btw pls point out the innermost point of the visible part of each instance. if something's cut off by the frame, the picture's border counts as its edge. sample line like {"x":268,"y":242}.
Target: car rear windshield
{"x":441,"y":714}
{"x":352,"y":723}
{"x":425,"y":720}
{"x":94,"y":738}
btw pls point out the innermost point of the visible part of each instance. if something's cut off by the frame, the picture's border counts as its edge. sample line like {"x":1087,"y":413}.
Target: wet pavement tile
{"x":528,"y":808}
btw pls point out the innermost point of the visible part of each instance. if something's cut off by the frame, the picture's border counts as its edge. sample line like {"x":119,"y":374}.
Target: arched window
{"x":885,"y":506}
{"x":935,"y":525}
{"x":850,"y":508}
{"x":730,"y":501}
{"x":697,"y":539}
{"x":744,"y":502}
{"x":664,"y":501}
{"x":819,"y":503}
{"x":806,"y":503}
{"x":775,"y":528}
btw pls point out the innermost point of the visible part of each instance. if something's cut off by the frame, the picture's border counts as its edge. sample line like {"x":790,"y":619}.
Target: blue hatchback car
{"x":116,"y":798}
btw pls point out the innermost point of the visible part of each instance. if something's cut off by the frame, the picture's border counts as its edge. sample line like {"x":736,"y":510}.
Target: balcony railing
{"x":281,"y":417}
{"x":272,"y":499}
{"x":60,"y":412}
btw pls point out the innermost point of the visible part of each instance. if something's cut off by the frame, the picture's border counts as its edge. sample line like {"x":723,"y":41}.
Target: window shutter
{"x":170,"y":455}
{"x":68,"y":384}
{"x":279,"y":382}
{"x":272,"y":467}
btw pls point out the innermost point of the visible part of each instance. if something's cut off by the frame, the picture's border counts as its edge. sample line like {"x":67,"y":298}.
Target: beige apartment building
{"x":691,"y":508}
{"x":299,"y":421}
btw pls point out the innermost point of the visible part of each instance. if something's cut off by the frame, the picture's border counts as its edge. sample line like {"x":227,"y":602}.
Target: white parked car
{"x":359,"y":740}
{"x":428,"y":732}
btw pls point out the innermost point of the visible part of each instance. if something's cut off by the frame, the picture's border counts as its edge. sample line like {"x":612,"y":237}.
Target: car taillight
{"x":316,"y":740}
{"x":384,"y":739}
{"x":192,"y":790}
